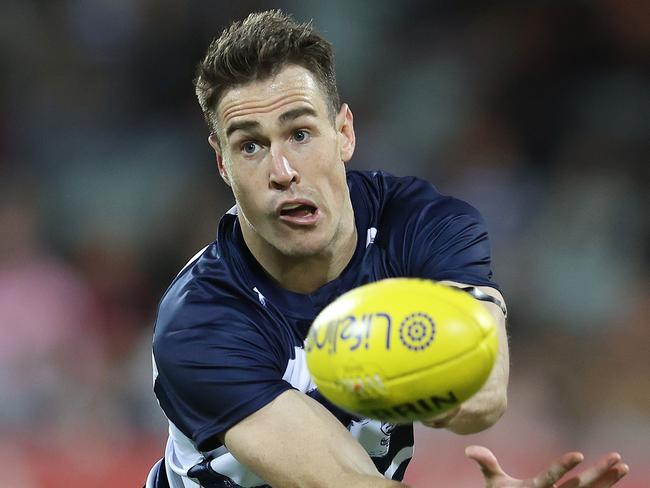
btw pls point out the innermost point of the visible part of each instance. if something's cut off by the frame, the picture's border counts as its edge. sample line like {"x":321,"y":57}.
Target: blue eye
{"x":300,"y":135}
{"x":250,"y":147}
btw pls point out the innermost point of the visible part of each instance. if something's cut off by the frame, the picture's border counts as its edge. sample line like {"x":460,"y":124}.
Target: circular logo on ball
{"x":417,"y":331}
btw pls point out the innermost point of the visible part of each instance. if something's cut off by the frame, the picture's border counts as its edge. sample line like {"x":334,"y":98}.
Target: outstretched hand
{"x":605,"y":473}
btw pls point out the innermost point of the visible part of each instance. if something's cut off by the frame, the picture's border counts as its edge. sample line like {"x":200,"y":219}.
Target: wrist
{"x":443,"y":420}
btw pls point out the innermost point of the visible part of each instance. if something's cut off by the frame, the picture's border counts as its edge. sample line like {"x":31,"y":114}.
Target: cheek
{"x":329,"y":164}
{"x":240,"y":192}
{"x":249,"y":198}
{"x":337,"y":187}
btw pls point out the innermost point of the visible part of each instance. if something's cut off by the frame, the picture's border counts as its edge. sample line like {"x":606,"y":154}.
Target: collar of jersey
{"x":299,"y":305}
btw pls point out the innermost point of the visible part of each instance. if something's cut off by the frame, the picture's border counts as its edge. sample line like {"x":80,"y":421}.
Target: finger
{"x":607,"y":472}
{"x":591,"y":475}
{"x":599,"y":476}
{"x":548,"y":477}
{"x":486,"y":461}
{"x":611,"y":477}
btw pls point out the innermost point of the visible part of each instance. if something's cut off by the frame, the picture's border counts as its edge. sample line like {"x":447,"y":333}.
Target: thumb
{"x":486,"y":461}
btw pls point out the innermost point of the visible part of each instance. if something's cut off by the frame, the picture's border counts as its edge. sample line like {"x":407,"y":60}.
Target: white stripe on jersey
{"x":297,"y":374}
{"x":194,"y":258}
{"x":401,"y":456}
{"x":181,"y":452}
{"x":154,"y":367}
{"x":181,"y":455}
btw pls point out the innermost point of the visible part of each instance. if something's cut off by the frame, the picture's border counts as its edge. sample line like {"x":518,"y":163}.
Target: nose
{"x":282,"y":173}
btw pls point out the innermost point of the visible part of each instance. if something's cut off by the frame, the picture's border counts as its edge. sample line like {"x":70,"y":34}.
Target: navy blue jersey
{"x":228,"y":339}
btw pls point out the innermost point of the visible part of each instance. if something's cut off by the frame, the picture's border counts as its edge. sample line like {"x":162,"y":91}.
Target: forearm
{"x":483,"y":409}
{"x":308,"y":447}
{"x":352,"y":480}
{"x":365,"y":481}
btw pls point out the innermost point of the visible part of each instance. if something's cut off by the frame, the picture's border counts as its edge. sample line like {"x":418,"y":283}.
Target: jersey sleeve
{"x":214,"y":369}
{"x":441,"y":237}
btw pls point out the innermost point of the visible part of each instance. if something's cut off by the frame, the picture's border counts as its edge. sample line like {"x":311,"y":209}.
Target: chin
{"x":301,"y":248}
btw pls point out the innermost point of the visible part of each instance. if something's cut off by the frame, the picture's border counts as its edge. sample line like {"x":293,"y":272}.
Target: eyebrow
{"x":296,"y":113}
{"x":284,"y":118}
{"x":243,"y":125}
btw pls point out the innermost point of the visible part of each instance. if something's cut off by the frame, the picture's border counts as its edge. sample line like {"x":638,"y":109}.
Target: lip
{"x":305,"y":220}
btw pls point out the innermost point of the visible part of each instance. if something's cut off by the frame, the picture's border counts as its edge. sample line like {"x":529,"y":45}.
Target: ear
{"x":213,"y":140}
{"x":345,"y":132}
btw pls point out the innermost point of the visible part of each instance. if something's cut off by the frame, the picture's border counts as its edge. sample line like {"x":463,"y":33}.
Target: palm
{"x":603,"y":474}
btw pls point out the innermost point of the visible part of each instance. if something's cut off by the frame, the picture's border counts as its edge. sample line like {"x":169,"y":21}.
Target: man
{"x":229,"y":364}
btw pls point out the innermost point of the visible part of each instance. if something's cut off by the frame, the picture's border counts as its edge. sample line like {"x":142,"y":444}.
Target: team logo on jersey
{"x":387,"y":428}
{"x":370,"y":236}
{"x":260,"y":297}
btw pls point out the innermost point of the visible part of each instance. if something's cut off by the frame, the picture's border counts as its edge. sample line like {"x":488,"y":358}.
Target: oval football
{"x":401,"y":349}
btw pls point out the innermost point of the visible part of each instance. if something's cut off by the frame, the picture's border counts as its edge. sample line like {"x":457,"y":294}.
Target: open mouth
{"x":297,"y":210}
{"x":299,"y":213}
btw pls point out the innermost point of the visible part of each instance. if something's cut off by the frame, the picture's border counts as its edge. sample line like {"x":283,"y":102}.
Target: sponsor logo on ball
{"x":417,"y":331}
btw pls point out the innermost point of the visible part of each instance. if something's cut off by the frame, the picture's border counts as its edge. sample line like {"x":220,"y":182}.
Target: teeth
{"x":291,"y":206}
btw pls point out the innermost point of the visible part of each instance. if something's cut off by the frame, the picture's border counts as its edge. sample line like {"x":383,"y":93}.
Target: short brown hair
{"x":258,"y":48}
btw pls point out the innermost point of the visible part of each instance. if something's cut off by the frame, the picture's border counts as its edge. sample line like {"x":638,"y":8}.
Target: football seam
{"x":452,"y":359}
{"x":484,"y":336}
{"x":475,"y":322}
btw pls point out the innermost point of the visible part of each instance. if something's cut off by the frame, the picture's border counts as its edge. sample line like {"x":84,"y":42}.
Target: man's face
{"x":284,"y":160}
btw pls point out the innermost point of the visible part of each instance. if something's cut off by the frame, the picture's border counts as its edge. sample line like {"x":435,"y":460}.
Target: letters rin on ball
{"x":423,"y":406}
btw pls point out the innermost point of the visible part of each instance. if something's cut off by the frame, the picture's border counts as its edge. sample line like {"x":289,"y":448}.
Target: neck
{"x":305,"y":274}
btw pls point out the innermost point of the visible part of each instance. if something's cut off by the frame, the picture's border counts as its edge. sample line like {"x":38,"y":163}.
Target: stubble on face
{"x":257,"y":110}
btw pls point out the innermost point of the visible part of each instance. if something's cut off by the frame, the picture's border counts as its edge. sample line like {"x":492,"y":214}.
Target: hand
{"x":603,"y":474}
{"x":441,"y":421}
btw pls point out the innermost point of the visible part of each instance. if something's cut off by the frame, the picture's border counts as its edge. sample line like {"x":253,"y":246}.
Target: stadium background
{"x":536,"y":112}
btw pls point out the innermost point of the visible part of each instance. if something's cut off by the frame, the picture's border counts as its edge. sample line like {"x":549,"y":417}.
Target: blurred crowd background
{"x":535,"y":112}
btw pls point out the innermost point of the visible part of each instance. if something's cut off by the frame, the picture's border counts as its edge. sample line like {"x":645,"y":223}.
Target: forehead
{"x":293,"y":85}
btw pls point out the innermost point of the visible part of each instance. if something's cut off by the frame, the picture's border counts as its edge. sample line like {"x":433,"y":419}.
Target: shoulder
{"x":203,"y":301}
{"x":192,"y":287}
{"x":209,"y":316}
{"x":404,"y":193}
{"x":209,"y":283}
{"x":402,"y":202}
{"x":428,"y":234}
{"x":383,"y":186}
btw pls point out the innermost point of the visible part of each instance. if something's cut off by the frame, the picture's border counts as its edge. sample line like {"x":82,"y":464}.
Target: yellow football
{"x":401,"y":349}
